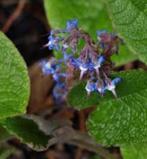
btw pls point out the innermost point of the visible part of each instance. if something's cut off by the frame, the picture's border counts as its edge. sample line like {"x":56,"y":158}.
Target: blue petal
{"x":100,"y":32}
{"x":71,"y":24}
{"x":91,"y":86}
{"x":59,"y":92}
{"x":45,"y":68}
{"x":116,"y":81}
{"x":101,"y":60}
{"x":59,"y":76}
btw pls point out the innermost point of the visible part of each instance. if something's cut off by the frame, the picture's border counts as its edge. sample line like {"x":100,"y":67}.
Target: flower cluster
{"x":81,"y":55}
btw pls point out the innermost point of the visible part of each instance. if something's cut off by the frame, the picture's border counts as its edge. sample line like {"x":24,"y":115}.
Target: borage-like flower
{"x":90,"y":87}
{"x":92,"y":61}
{"x":71,"y":24}
{"x":49,"y":67}
{"x":111,"y":85}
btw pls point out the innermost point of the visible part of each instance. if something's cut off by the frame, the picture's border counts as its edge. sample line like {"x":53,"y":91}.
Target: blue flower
{"x":90,"y":87}
{"x":116,"y":80}
{"x":101,"y":32}
{"x":99,"y":63}
{"x":79,"y":53}
{"x":89,"y":65}
{"x":49,"y":67}
{"x":100,"y":86}
{"x":64,"y":47}
{"x":58,"y":77}
{"x":71,"y":24}
{"x":67,"y":56}
{"x":53,"y":43}
{"x":60,"y":92}
{"x":111,"y":85}
{"x":83,"y":68}
{"x":74,"y":62}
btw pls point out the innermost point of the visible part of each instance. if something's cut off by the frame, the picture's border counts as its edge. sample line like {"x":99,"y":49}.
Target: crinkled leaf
{"x":130,"y":20}
{"x":27,"y":131}
{"x":92,"y":16}
{"x":14,"y":80}
{"x":134,"y":151}
{"x":48,"y":126}
{"x":124,"y":119}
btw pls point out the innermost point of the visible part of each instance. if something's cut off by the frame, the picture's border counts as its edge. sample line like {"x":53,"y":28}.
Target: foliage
{"x":27,"y":131}
{"x":130,"y":20}
{"x":134,"y":151}
{"x":92,"y":16}
{"x":116,"y":121}
{"x":14,"y":80}
{"x":121,"y":120}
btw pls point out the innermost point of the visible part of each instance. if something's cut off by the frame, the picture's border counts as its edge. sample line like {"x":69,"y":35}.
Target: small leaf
{"x":27,"y":131}
{"x":48,"y":126}
{"x":134,"y":151}
{"x":122,"y":120}
{"x":14,"y":80}
{"x":92,"y":16}
{"x":130,"y":20}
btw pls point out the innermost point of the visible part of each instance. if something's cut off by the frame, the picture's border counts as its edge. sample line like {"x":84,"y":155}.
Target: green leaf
{"x":92,"y":16}
{"x":14,"y":80}
{"x":124,"y":119}
{"x":27,"y":131}
{"x":130,"y":20}
{"x":124,"y":56}
{"x":78,"y":98}
{"x":134,"y":151}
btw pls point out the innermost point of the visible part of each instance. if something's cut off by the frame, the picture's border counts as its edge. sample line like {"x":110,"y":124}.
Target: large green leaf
{"x":134,"y":151}
{"x":27,"y":131}
{"x":124,"y":119}
{"x":14,"y":80}
{"x":130,"y":20}
{"x":92,"y":16}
